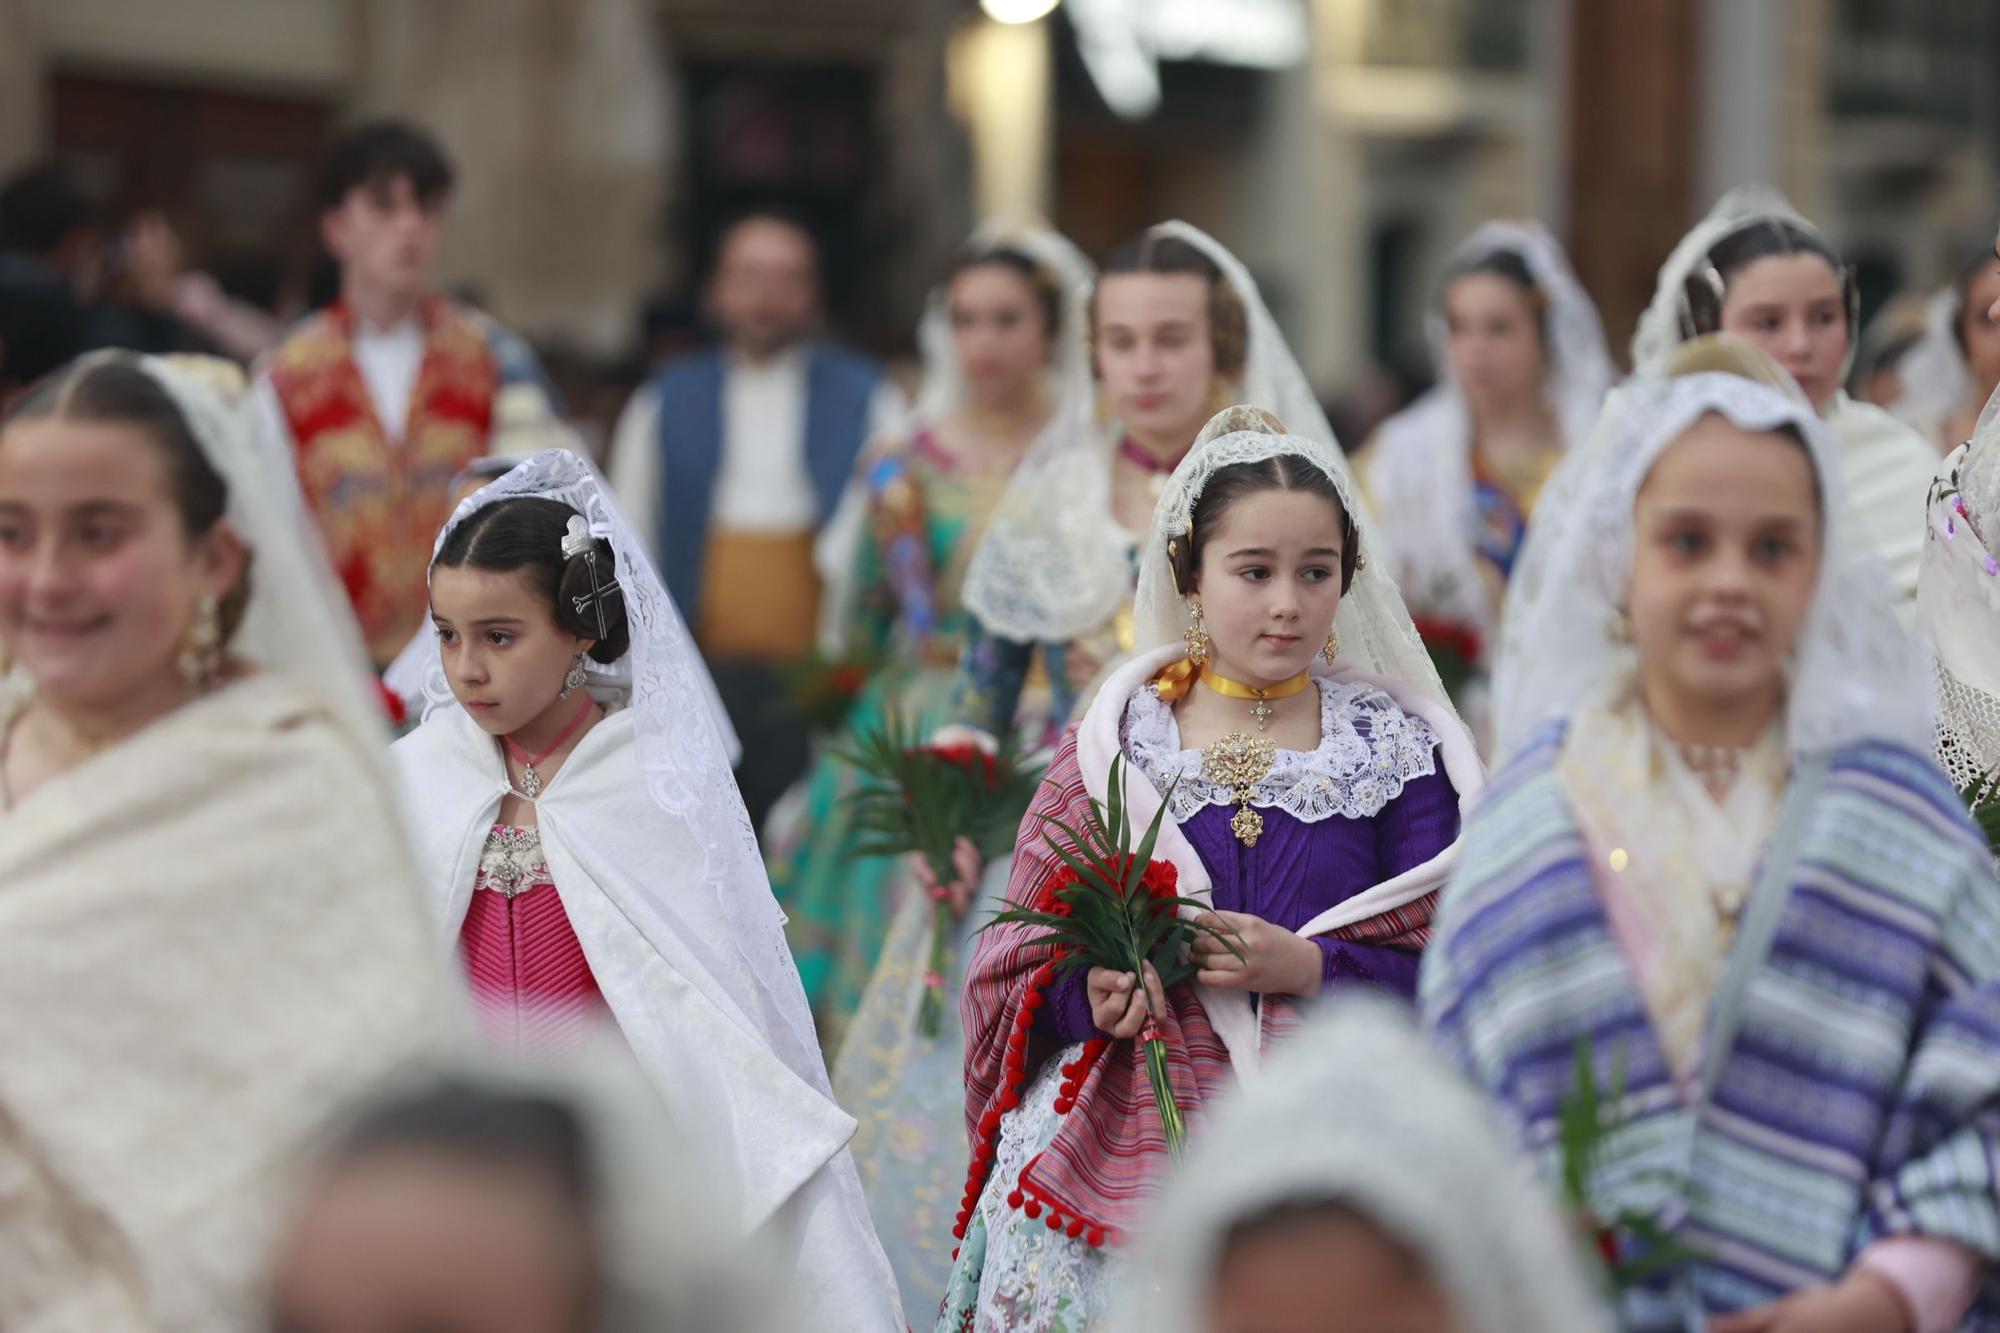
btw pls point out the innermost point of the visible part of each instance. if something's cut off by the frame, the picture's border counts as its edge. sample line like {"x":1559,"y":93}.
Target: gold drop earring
{"x":1196,"y":636}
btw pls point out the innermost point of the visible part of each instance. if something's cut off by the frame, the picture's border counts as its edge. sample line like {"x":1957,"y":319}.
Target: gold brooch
{"x":1239,"y":762}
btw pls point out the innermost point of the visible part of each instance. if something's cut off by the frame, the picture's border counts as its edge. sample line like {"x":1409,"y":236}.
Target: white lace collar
{"x":1350,"y":774}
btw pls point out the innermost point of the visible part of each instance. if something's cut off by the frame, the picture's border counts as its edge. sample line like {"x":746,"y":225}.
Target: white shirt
{"x":389,"y":361}
{"x":762,"y":482}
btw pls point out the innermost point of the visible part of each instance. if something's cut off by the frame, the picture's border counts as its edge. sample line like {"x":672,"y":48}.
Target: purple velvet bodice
{"x":1297,"y":870}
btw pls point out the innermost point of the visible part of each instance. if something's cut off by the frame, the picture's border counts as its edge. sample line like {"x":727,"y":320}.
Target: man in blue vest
{"x":732,"y":459}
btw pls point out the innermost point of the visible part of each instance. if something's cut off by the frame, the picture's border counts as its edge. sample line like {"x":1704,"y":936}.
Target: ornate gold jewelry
{"x":1240,"y":762}
{"x":1261,"y":709}
{"x":1620,"y":629}
{"x":1196,"y":636}
{"x":1331,"y":648}
{"x":200,"y":657}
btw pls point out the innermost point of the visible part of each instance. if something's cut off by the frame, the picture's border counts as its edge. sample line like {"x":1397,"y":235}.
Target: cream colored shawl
{"x":209,"y":935}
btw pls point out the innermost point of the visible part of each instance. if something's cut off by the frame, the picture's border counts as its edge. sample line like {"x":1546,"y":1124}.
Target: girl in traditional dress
{"x":210,"y":923}
{"x":1722,"y":867}
{"x":1955,"y":365}
{"x":1358,"y":1186}
{"x":1004,"y":351}
{"x":1522,"y":371}
{"x":1177,"y":329}
{"x":586,"y":852}
{"x":1316,"y":807}
{"x":1755,"y":268}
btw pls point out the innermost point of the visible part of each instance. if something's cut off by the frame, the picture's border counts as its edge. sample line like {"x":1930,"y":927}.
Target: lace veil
{"x":1856,"y":674}
{"x":682,"y":750}
{"x":1958,"y":602}
{"x":1375,"y":631}
{"x":1934,"y":374}
{"x":297,"y":624}
{"x":1054,"y":565}
{"x":1662,"y":326}
{"x":1420,"y":476}
{"x":942,"y":392}
{"x":943,"y":387}
{"x":1411,"y":1148}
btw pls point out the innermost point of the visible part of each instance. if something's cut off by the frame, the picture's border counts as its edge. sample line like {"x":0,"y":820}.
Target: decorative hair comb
{"x":577,"y":541}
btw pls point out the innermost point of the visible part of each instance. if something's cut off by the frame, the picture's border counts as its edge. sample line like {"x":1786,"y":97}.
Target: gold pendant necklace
{"x":1240,"y":762}
{"x":1261,"y":709}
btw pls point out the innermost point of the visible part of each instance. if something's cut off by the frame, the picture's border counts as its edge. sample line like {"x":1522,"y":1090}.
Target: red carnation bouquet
{"x":1455,"y":648}
{"x":1112,"y":906}
{"x":923,"y":798}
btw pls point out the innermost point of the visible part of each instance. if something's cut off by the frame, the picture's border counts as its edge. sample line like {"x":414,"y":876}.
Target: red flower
{"x":973,"y":759}
{"x":1449,"y":636}
{"x":846,"y":678}
{"x":392,"y":703}
{"x":1160,"y":880}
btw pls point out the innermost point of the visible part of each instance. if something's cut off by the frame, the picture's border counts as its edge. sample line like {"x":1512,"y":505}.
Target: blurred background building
{"x":1342,"y":147}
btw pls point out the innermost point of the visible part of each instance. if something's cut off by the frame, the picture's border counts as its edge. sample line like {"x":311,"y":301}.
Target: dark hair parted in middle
{"x":525,"y":533}
{"x":1510,"y":266}
{"x":1238,"y":481}
{"x":1044,"y":284}
{"x":1702,"y":294}
{"x":112,"y":389}
{"x":1228,"y":323}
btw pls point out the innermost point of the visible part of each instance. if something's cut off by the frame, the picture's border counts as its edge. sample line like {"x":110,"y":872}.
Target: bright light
{"x":1018,"y":11}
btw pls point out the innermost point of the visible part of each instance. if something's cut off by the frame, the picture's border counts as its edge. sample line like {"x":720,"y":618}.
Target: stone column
{"x":1632,"y":149}
{"x":558,"y":115}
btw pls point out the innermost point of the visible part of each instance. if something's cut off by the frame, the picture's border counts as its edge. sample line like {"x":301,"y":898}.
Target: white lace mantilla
{"x":1369,"y":747}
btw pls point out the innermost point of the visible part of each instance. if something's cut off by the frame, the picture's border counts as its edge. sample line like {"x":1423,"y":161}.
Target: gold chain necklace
{"x":1262,"y":710}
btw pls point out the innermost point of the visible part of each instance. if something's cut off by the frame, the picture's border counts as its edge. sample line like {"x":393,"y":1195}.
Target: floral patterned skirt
{"x":1014,"y":1274}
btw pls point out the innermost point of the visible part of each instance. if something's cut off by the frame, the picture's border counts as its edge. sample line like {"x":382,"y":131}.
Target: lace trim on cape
{"x":1369,"y":748}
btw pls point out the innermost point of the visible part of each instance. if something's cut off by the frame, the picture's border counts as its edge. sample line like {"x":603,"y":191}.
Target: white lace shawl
{"x":1369,"y":748}
{"x":1420,"y":470}
{"x":1958,"y":602}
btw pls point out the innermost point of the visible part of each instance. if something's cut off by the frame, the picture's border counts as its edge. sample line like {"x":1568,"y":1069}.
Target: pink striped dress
{"x":531,"y":984}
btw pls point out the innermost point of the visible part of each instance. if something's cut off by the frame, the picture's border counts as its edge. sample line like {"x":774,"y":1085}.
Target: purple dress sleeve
{"x":1065,"y":1011}
{"x":1410,"y":831}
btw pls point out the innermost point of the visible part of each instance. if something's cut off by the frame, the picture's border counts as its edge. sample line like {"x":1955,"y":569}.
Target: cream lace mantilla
{"x":1368,"y":749}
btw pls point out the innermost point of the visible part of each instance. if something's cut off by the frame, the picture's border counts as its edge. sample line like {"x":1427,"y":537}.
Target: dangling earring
{"x":575,"y":680}
{"x":1331,"y":648}
{"x":1620,"y":628}
{"x":1196,"y":636}
{"x":200,"y":658}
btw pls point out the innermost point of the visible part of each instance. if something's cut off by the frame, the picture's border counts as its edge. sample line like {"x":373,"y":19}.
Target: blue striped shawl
{"x":1862,"y":1096}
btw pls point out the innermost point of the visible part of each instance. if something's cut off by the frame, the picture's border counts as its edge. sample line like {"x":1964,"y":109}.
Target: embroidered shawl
{"x":1861,"y":1098}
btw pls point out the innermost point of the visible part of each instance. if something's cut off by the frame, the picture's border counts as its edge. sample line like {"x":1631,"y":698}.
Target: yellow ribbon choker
{"x":1236,"y":689}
